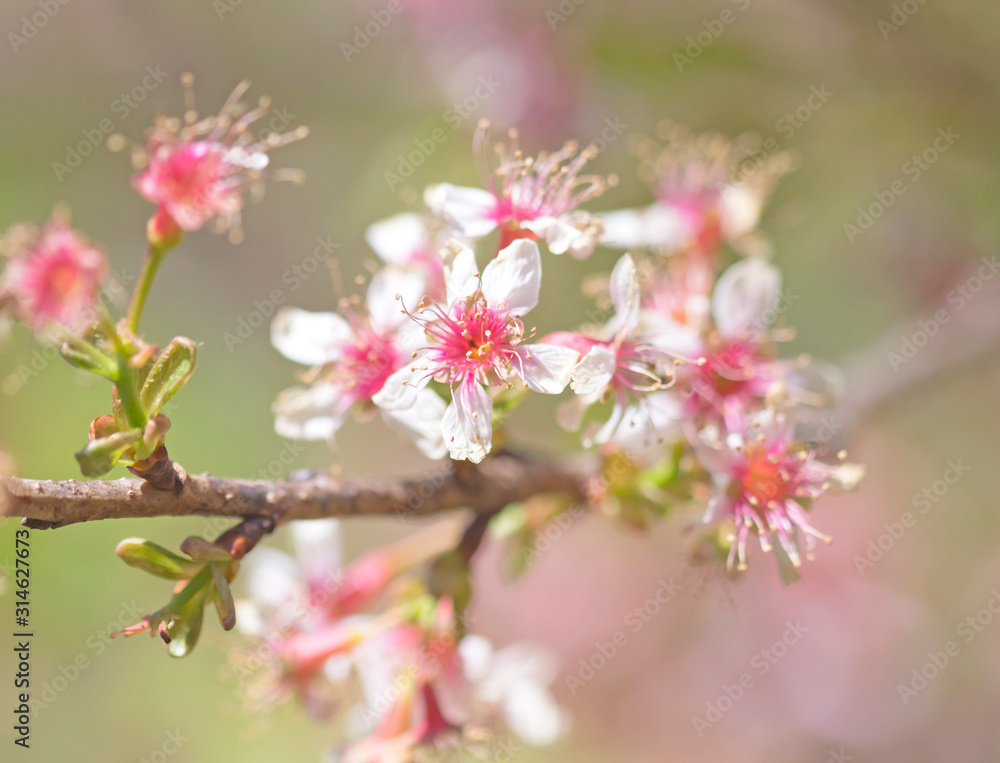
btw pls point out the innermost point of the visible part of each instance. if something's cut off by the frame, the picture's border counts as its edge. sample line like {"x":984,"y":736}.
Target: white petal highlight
{"x":385,"y":310}
{"x":401,"y":388}
{"x":468,"y":423}
{"x":310,"y":413}
{"x":460,"y":271}
{"x":594,"y":372}
{"x":397,"y":238}
{"x":624,"y":287}
{"x":546,"y":368}
{"x":421,"y":423}
{"x":317,"y":547}
{"x":657,"y":225}
{"x":468,"y":211}
{"x":309,"y":338}
{"x":744,"y":295}
{"x":514,"y":278}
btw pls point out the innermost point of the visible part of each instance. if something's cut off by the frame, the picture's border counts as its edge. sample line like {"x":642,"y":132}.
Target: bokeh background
{"x":563,"y":70}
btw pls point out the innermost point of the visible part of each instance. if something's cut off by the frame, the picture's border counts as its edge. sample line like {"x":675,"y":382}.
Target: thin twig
{"x":500,"y":480}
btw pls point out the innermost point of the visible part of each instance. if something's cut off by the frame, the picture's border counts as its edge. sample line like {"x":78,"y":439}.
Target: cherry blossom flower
{"x":707,"y":194}
{"x":626,"y":366}
{"x":476,"y":341}
{"x":765,"y":483}
{"x":197,"y":170}
{"x":52,"y":276}
{"x":525,"y":197}
{"x":399,"y":681}
{"x":352,"y":357}
{"x":736,"y":367}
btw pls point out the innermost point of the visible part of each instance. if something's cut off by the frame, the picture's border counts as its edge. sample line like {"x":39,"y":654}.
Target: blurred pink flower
{"x":52,"y":276}
{"x":525,"y":197}
{"x":199,"y":170}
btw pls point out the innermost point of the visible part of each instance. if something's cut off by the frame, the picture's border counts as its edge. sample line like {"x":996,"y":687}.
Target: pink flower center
{"x":767,"y":477}
{"x":366,"y":363}
{"x":62,"y":282}
{"x":190,"y":174}
{"x":58,"y":280}
{"x":473,"y":339}
{"x":731,"y":370}
{"x":700,"y":212}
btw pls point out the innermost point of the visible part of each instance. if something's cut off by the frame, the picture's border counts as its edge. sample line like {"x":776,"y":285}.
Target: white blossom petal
{"x":271,"y":577}
{"x":477,"y":657}
{"x":421,"y":423}
{"x":624,"y":287}
{"x":655,"y":226}
{"x":317,"y":547}
{"x":249,"y":619}
{"x":468,"y":422}
{"x":251,"y":160}
{"x":468,"y":211}
{"x":401,"y":388}
{"x":744,"y":296}
{"x":741,"y":208}
{"x":460,"y":271}
{"x":594,"y":372}
{"x":569,"y":415}
{"x":514,"y":278}
{"x":309,"y":338}
{"x":310,"y":413}
{"x":664,"y":332}
{"x":576,"y":233}
{"x":649,"y":422}
{"x":546,"y":368}
{"x":532,"y":714}
{"x":618,"y":410}
{"x":385,"y":310}
{"x":398,"y":238}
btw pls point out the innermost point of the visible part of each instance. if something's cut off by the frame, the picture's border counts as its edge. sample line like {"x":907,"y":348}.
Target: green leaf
{"x":118,"y":410}
{"x":202,"y":550}
{"x":84,"y":355}
{"x":100,"y":456}
{"x":223,"y":598}
{"x":186,"y":626}
{"x":148,"y":556}
{"x":185,"y":614}
{"x":169,"y":374}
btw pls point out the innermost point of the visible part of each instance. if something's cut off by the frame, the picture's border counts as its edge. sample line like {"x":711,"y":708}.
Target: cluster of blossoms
{"x":681,"y":359}
{"x":675,"y":382}
{"x":376,"y":651}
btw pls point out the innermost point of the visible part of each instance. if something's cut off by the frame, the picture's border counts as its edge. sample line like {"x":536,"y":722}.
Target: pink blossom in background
{"x":53,"y":276}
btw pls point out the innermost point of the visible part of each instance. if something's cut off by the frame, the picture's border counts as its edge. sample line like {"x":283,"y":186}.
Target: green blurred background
{"x":561,"y":76}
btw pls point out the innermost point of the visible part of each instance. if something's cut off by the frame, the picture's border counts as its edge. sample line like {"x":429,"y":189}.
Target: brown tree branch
{"x":502,"y":479}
